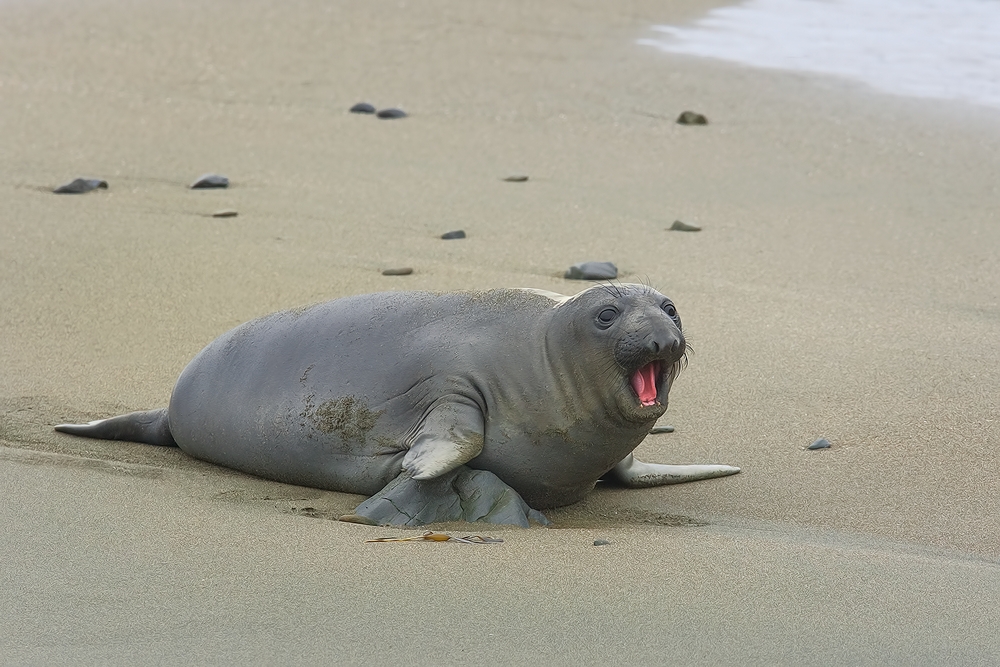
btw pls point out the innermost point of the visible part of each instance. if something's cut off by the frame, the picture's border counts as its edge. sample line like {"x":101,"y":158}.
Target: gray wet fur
{"x":406,"y":396}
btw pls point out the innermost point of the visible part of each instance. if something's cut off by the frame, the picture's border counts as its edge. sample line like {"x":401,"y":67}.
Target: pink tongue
{"x":644,"y":383}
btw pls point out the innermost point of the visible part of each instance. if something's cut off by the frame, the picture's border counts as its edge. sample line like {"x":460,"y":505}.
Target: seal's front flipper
{"x":637,"y":474}
{"x":148,"y":426}
{"x":451,"y":434}
{"x":462,"y":494}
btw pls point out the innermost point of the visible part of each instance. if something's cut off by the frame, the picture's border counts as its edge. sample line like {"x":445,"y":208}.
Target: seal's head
{"x":635,"y":333}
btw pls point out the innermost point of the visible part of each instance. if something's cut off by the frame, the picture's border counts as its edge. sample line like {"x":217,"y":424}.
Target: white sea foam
{"x":947,"y":49}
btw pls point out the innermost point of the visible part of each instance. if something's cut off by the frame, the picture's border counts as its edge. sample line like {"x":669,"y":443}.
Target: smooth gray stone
{"x":463,"y":494}
{"x":402,"y":271}
{"x":692,"y":118}
{"x":457,"y":234}
{"x":592,"y":271}
{"x":822,"y":443}
{"x":208,"y":181}
{"x":662,"y":429}
{"x":81,"y":185}
{"x":600,"y":543}
{"x":391,"y":113}
{"x":363,"y":107}
{"x":679,"y":226}
{"x":516,"y":178}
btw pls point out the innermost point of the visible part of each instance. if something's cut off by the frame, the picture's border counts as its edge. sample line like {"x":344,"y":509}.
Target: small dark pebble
{"x":822,"y":443}
{"x":692,"y":118}
{"x":457,"y":234}
{"x":362,"y":107}
{"x":404,"y":271}
{"x":679,"y":226}
{"x":391,"y":113}
{"x":600,"y":543}
{"x":225,"y":213}
{"x":81,"y":185}
{"x":662,"y":429}
{"x":210,"y":181}
{"x":516,"y":178}
{"x":592,"y":271}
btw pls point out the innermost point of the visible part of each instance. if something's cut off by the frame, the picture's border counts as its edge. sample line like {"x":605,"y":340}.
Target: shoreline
{"x":888,"y":48}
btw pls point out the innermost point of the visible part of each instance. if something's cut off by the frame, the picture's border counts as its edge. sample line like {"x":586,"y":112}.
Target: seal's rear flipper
{"x":462,"y":494}
{"x":637,"y":474}
{"x":149,"y":426}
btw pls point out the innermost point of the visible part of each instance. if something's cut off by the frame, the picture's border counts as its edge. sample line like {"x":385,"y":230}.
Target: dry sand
{"x":845,"y":285}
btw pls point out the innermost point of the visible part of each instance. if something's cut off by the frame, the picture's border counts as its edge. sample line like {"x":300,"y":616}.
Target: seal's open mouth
{"x":644,"y":382}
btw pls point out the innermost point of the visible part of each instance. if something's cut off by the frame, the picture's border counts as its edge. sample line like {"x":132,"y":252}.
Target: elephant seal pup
{"x":476,"y":406}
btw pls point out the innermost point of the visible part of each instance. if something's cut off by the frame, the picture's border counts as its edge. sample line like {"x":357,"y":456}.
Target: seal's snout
{"x":677,"y":347}
{"x":666,"y":346}
{"x":672,"y":346}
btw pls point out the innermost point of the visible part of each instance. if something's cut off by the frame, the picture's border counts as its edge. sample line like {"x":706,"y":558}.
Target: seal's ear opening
{"x":644,"y":382}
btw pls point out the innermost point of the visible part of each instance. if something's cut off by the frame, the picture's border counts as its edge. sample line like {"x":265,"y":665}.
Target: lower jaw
{"x":637,"y":412}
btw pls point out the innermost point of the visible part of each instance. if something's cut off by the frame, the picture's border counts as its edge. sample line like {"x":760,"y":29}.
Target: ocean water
{"x":944,"y":49}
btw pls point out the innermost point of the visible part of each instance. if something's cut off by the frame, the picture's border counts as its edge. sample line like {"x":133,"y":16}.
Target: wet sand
{"x":844,"y":286}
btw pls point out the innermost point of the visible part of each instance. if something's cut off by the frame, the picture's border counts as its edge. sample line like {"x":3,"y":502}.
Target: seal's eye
{"x":669,"y":309}
{"x":606,"y":317}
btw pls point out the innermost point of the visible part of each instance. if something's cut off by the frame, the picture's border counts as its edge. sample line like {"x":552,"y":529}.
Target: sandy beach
{"x":844,"y":285}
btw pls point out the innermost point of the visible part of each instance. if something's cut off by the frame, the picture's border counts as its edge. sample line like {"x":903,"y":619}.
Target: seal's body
{"x":385,"y":393}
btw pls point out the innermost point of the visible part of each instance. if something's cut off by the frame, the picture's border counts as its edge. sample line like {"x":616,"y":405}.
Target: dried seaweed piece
{"x":431,"y":536}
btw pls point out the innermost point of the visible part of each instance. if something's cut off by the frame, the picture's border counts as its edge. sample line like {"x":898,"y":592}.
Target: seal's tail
{"x":149,"y":426}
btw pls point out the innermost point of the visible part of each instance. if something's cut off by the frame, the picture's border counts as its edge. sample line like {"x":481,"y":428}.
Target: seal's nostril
{"x":653,"y":346}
